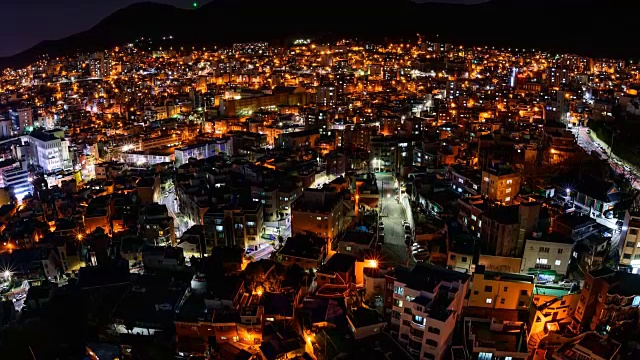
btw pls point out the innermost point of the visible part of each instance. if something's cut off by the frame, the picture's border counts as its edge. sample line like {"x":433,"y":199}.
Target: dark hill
{"x":588,"y":27}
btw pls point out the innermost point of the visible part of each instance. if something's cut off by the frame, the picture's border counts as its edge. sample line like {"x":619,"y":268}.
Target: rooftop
{"x":304,"y":246}
{"x":488,"y":334}
{"x":338,"y":263}
{"x":426,"y":277}
{"x":361,"y":317}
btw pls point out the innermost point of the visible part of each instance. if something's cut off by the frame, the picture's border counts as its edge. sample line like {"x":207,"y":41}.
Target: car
{"x":565,"y":282}
{"x":405,"y":223}
{"x":381,"y":226}
{"x":407,"y":229}
{"x":420,"y":250}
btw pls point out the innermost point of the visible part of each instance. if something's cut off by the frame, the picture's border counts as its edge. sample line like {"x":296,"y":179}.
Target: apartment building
{"x":18,"y":180}
{"x":495,"y":290}
{"x":318,"y":211}
{"x":500,"y":185}
{"x":548,"y":257}
{"x":204,"y":150}
{"x":630,"y":242}
{"x":505,"y":229}
{"x":390,"y":153}
{"x":495,"y":339}
{"x":425,"y":302}
{"x":470,"y":210}
{"x":609,"y":300}
{"x":240,"y":224}
{"x":276,"y":199}
{"x":465,"y":181}
{"x":156,"y":226}
{"x":48,"y":151}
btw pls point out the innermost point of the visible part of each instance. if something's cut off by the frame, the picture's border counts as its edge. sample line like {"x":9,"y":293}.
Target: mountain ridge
{"x":560,"y":25}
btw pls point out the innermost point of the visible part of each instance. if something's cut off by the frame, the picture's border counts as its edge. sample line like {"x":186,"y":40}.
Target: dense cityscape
{"x":415,"y":200}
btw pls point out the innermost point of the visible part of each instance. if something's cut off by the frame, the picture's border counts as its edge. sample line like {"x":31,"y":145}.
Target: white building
{"x":49,"y":152}
{"x":147,"y":157}
{"x":204,"y":150}
{"x":427,"y":301}
{"x":551,"y":254}
{"x":7,"y":165}
{"x":18,"y":180}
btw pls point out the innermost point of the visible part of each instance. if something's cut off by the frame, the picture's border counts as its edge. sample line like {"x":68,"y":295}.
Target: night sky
{"x":27,"y":22}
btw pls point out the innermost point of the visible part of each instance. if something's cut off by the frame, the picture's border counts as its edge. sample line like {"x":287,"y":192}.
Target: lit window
{"x":558,"y":262}
{"x":489,"y":301}
{"x":473,"y":217}
{"x":509,"y":182}
{"x":541,"y":261}
{"x":507,"y":199}
{"x":508,"y":190}
{"x":319,"y":218}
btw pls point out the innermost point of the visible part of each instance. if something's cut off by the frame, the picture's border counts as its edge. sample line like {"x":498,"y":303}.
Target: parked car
{"x":407,"y":240}
{"x":420,"y":250}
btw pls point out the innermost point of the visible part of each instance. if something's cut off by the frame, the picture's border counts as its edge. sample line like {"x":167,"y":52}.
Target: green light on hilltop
{"x":195,"y":4}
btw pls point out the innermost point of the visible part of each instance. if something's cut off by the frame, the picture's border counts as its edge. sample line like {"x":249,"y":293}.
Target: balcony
{"x":417,"y":325}
{"x":415,"y":347}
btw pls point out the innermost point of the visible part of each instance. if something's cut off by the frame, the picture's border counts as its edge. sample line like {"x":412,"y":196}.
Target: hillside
{"x":592,"y":28}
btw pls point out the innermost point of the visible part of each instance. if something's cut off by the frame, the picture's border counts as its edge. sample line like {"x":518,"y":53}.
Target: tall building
{"x":495,"y":290}
{"x":156,"y":226}
{"x":501,"y":185}
{"x":22,"y":119}
{"x":18,"y":180}
{"x":609,"y":300}
{"x":326,"y":95}
{"x":426,"y":302}
{"x":504,"y":229}
{"x":205,"y":150}
{"x":630,"y":242}
{"x":318,"y":211}
{"x":316,"y":120}
{"x":48,"y":151}
{"x":239,"y":224}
